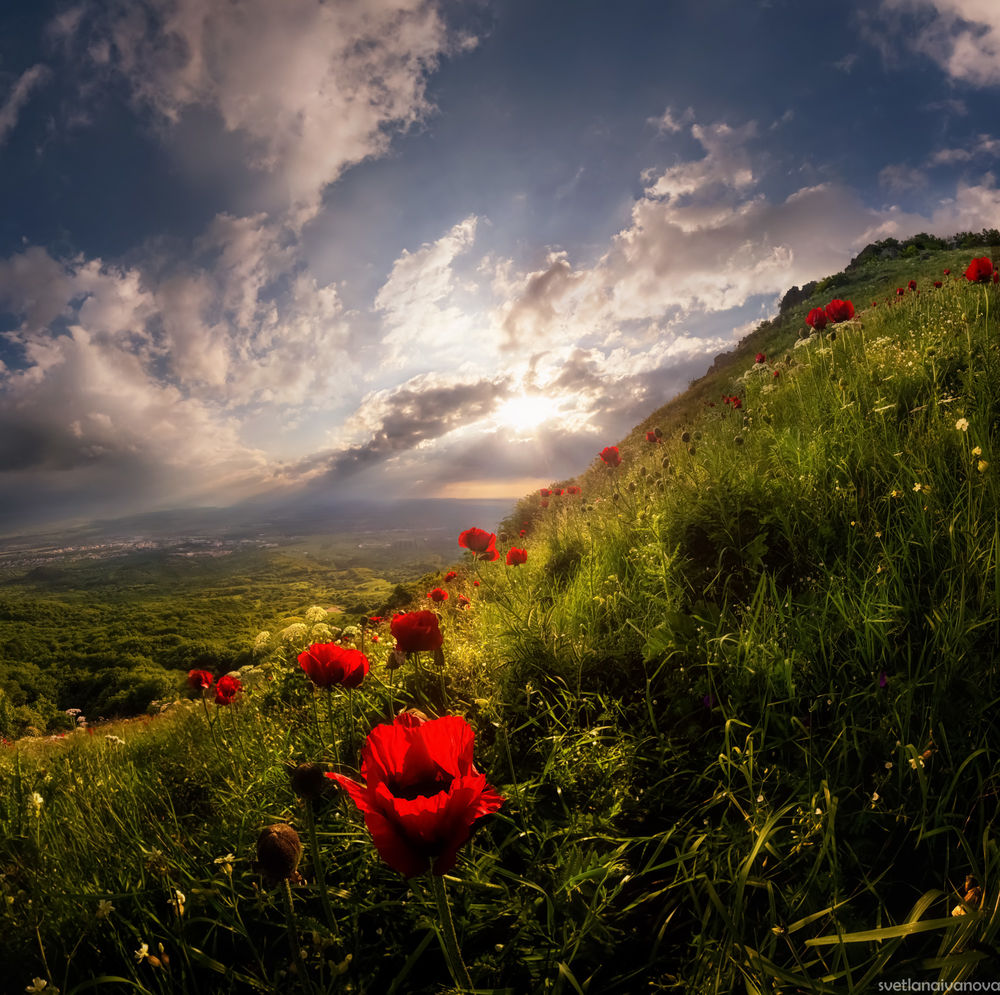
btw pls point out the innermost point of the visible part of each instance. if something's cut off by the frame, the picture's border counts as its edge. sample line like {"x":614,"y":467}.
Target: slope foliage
{"x":740,"y":701}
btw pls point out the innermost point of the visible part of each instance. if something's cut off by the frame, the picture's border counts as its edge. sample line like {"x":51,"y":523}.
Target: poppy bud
{"x":665,"y":462}
{"x":692,"y":450}
{"x":738,"y":440}
{"x":686,"y":437}
{"x":308,"y":780}
{"x":278,"y":851}
{"x":657,"y":433}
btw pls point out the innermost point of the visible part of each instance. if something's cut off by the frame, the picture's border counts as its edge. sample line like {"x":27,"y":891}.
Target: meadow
{"x":739,"y":700}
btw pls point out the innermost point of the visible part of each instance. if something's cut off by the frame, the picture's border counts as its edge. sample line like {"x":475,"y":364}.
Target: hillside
{"x":738,"y":701}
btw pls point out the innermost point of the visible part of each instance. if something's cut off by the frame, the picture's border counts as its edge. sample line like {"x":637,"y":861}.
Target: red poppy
{"x":327,"y":664}
{"x":611,"y":456}
{"x":421,"y":793}
{"x":937,"y":283}
{"x":490,"y":555}
{"x":450,"y":575}
{"x":375,"y":619}
{"x":438,"y":594}
{"x":912,"y":285}
{"x":200,"y":680}
{"x":900,"y":291}
{"x":651,"y":437}
{"x":947,"y":271}
{"x":523,"y":533}
{"x":463,"y":601}
{"x":980,"y":270}
{"x":776,"y":373}
{"x":760,"y":358}
{"x":475,"y":583}
{"x":838,"y":310}
{"x":816,"y":318}
{"x":417,"y":632}
{"x":227,"y":689}
{"x":375,"y":637}
{"x":478,"y":540}
{"x":515,"y":556}
{"x":573,"y":490}
{"x":558,"y":493}
{"x":737,"y":403}
{"x":874,"y":303}
{"x":545,"y":492}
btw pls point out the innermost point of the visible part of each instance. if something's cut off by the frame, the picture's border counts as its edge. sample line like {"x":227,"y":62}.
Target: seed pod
{"x":665,"y":462}
{"x":278,"y":852}
{"x":686,"y":437}
{"x":657,"y":433}
{"x":738,"y":440}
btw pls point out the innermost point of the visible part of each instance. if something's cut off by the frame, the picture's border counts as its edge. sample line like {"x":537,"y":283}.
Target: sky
{"x":432,"y":248}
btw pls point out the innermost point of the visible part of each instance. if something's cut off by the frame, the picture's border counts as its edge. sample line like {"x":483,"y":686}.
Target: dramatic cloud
{"x":962,"y":36}
{"x":313,"y":87}
{"x":18,"y":96}
{"x":418,"y":412}
{"x":420,"y":303}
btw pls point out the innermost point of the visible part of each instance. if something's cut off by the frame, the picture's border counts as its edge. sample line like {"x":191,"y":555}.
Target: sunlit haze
{"x":429,"y":248}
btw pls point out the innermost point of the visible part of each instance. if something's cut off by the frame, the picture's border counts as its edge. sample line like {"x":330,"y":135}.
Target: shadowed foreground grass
{"x":741,"y":701}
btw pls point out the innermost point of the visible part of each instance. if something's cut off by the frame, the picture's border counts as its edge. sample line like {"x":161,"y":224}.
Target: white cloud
{"x":18,"y":96}
{"x":983,"y":146}
{"x":314,"y":87}
{"x":421,"y":303}
{"x":962,"y":36}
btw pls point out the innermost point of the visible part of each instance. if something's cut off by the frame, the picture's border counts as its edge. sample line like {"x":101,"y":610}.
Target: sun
{"x":526,"y":412}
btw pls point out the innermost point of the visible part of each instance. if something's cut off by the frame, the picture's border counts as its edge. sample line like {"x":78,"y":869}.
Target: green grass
{"x":741,"y":700}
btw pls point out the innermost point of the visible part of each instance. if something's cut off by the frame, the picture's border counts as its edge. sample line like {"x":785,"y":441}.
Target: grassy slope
{"x":740,"y":700}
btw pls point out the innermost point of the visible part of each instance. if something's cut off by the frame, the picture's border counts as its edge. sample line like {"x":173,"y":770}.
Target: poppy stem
{"x":324,"y":897}
{"x":459,"y":972}
{"x":333,"y":731}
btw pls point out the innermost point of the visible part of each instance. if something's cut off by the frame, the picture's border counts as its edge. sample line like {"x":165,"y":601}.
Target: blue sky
{"x":430,"y":247}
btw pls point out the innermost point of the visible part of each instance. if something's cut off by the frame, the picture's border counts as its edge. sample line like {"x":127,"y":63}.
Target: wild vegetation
{"x":739,"y":699}
{"x":109,"y":636}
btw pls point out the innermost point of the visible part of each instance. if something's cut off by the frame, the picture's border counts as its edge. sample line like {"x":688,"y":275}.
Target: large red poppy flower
{"x":912,"y":284}
{"x":327,"y":664}
{"x":478,"y":540}
{"x":227,"y":689}
{"x":980,"y":270}
{"x":421,"y":793}
{"x":816,"y":318}
{"x":545,"y":492}
{"x":438,"y":594}
{"x":838,"y":310}
{"x":573,"y":490}
{"x":417,"y":632}
{"x":760,"y":358}
{"x":611,"y":456}
{"x":515,"y":556}
{"x":200,"y":680}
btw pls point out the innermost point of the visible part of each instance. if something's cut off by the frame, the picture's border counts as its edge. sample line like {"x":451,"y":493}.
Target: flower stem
{"x":459,"y":972}
{"x":320,"y":870}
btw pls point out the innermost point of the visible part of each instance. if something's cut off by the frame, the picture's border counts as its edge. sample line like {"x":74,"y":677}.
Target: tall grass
{"x":740,"y":699}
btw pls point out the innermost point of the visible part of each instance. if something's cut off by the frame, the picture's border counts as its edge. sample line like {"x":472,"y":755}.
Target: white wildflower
{"x":35,"y":802}
{"x":962,"y":425}
{"x":104,"y":909}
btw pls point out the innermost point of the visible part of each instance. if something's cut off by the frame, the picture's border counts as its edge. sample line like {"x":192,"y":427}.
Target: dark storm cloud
{"x":418,"y":412}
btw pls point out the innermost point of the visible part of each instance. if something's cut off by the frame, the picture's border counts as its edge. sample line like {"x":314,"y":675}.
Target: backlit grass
{"x":740,"y":700}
